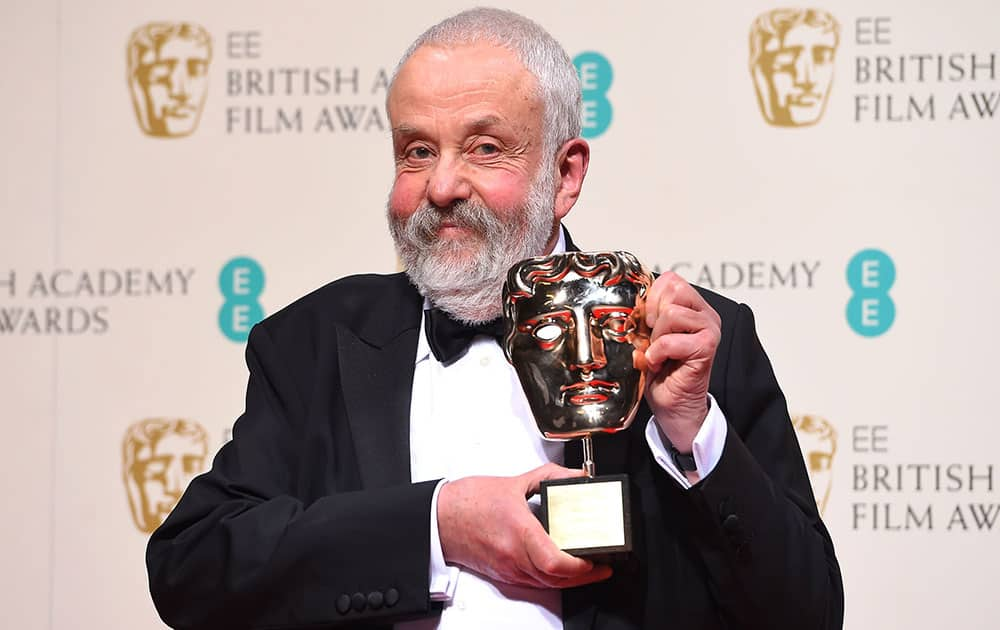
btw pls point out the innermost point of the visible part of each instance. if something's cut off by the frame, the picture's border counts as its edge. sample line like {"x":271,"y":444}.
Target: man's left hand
{"x":685,"y":333}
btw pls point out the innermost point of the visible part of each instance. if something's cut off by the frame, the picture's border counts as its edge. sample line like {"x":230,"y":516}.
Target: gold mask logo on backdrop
{"x":818,"y":441}
{"x":791,"y":62}
{"x":168,"y":76}
{"x":159,"y":458}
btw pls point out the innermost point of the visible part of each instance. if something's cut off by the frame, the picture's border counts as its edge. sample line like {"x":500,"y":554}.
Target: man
{"x":328,"y":507}
{"x":791,"y":60}
{"x":168,"y":76}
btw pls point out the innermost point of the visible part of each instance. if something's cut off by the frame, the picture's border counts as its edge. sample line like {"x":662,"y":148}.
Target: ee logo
{"x":870,"y":274}
{"x":595,"y":75}
{"x":241,"y":282}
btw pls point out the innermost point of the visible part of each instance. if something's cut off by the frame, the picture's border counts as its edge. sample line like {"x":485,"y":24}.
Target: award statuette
{"x":573,"y":323}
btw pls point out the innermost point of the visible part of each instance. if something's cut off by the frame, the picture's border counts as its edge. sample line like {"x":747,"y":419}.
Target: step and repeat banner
{"x":176,"y":171}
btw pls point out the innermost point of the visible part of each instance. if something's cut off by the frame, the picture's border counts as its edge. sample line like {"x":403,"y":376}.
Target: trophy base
{"x":588,"y":516}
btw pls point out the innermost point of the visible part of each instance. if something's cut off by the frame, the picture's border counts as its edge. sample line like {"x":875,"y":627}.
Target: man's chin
{"x":455,"y":251}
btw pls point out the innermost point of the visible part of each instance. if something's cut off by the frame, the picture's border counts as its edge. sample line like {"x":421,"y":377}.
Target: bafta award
{"x":574,"y":323}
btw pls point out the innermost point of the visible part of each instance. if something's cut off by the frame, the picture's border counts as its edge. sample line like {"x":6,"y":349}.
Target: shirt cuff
{"x":443,"y":578}
{"x":707,"y":447}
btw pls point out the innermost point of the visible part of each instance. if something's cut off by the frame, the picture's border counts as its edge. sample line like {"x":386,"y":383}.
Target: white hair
{"x":534,"y":47}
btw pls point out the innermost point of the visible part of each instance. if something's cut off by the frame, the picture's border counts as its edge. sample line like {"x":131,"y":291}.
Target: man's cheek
{"x":504,"y":191}
{"x":405,"y":196}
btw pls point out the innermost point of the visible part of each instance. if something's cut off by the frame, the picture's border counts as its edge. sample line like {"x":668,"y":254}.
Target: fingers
{"x":684,"y":327}
{"x":675,"y":318}
{"x":533,"y":478}
{"x":554,"y":568}
{"x":669,"y":289}
{"x":484,"y":525}
{"x":551,"y":561}
{"x":680,"y":347}
{"x":639,"y":361}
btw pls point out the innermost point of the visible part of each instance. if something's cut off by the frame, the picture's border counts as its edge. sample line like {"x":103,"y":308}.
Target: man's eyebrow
{"x":484,"y":123}
{"x":477,"y":125}
{"x":404,"y":129}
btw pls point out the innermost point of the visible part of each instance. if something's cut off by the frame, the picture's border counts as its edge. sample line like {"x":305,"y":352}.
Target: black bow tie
{"x":449,"y":339}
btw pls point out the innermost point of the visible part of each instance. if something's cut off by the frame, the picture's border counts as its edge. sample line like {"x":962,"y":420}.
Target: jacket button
{"x":375,"y":599}
{"x":359,"y":601}
{"x":391,"y":597}
{"x":731,"y":524}
{"x":343,"y":603}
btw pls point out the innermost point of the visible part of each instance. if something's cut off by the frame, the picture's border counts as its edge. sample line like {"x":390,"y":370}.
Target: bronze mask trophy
{"x":573,"y":324}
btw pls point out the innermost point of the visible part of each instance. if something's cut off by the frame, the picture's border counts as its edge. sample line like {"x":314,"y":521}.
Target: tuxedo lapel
{"x":376,"y":356}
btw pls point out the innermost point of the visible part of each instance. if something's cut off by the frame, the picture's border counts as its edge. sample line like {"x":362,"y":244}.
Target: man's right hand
{"x":485,"y":525}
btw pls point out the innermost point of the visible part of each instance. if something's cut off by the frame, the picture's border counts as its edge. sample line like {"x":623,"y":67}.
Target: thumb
{"x":533,"y":478}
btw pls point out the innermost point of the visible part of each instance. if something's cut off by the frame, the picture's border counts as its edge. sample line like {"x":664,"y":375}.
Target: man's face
{"x":162,"y":472}
{"x":572,"y":349}
{"x":794,"y":74}
{"x":174,"y":81}
{"x":466,"y":126}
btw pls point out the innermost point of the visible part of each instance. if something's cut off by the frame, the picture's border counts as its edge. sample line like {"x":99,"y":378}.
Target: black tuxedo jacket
{"x":308,"y":517}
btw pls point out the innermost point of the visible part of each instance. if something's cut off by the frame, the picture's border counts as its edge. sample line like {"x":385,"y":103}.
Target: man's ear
{"x":571,"y":168}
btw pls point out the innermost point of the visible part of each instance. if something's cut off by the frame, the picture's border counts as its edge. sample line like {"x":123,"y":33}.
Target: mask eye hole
{"x":616,"y":326}
{"x":547,"y":332}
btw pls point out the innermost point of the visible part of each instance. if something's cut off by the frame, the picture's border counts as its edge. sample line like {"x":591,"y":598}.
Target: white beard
{"x":465,"y":278}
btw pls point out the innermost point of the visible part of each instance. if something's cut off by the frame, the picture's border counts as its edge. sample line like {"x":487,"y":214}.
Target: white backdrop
{"x":765,"y":214}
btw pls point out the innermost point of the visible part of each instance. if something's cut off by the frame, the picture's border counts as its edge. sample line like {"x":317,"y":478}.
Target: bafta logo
{"x":791,"y":61}
{"x":168,"y":76}
{"x":818,"y":440}
{"x":159,"y":458}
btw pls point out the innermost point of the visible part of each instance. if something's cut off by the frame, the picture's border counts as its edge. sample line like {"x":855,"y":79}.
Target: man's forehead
{"x":434,"y":72}
{"x":480,"y":123}
{"x":475,"y":53}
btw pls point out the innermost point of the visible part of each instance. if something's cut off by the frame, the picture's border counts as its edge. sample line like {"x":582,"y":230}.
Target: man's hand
{"x":684,"y":335}
{"x":485,"y":525}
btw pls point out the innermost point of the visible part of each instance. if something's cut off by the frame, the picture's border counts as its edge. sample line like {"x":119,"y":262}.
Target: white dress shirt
{"x":472,"y":418}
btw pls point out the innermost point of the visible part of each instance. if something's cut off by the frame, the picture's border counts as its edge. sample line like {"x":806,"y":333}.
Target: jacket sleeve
{"x":258,"y":543}
{"x":769,"y":556}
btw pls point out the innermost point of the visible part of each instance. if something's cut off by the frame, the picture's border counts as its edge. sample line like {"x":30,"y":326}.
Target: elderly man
{"x":379,"y":474}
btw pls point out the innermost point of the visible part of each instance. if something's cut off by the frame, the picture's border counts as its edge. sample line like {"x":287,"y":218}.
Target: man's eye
{"x":487,"y":148}
{"x":419,"y":153}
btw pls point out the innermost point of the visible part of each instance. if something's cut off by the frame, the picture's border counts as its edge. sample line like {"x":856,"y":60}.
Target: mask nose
{"x":174,"y":479}
{"x":805,"y":69}
{"x":588,"y":347}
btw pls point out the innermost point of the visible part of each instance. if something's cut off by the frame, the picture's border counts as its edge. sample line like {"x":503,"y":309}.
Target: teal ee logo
{"x":241,"y":282}
{"x":595,"y":75}
{"x":870,"y":274}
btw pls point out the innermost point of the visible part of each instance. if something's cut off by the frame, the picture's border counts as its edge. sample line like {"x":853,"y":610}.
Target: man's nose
{"x":448,"y":182}
{"x":588,"y":353}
